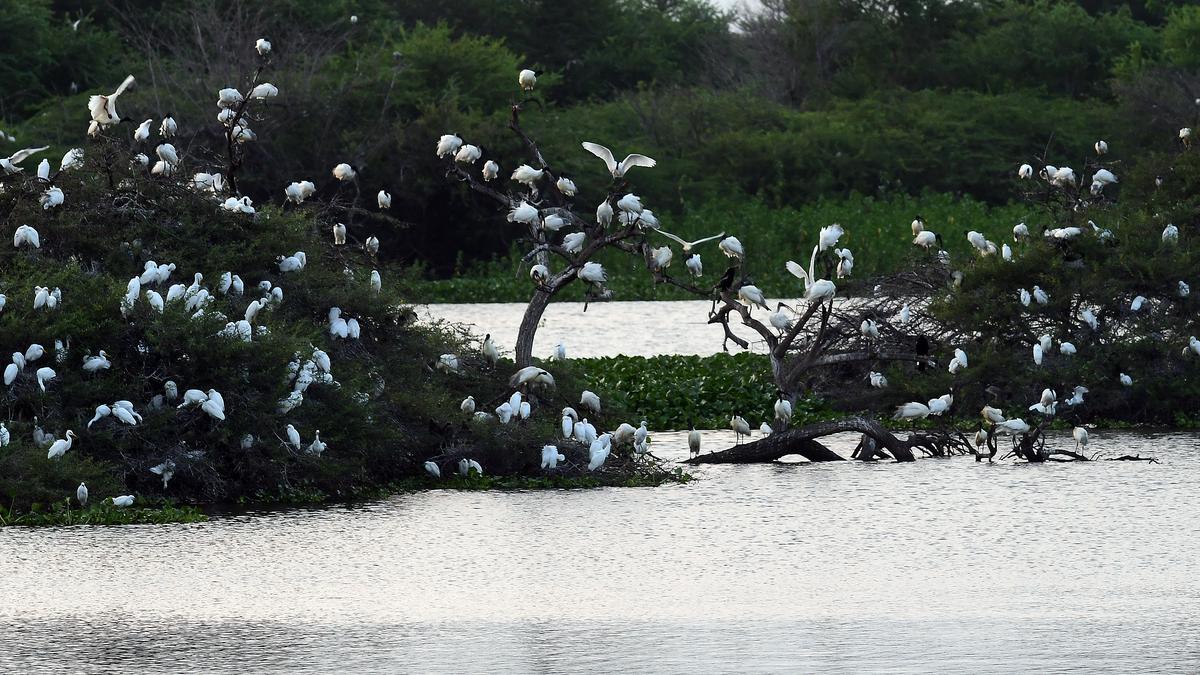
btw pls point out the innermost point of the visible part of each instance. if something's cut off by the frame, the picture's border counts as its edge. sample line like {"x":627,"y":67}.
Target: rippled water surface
{"x":939,"y":565}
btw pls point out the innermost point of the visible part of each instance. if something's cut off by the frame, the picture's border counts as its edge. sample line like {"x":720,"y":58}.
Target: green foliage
{"x":1181,"y":37}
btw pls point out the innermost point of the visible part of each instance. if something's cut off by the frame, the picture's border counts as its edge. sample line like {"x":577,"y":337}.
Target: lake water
{"x":939,"y":565}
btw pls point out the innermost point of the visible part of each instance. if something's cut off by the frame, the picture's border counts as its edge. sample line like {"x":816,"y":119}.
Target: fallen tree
{"x":802,"y":441}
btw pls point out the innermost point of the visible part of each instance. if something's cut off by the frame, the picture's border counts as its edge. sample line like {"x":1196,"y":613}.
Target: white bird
{"x":43,"y":171}
{"x":102,"y":411}
{"x":448,"y":145}
{"x":123,"y":501}
{"x":531,"y":375}
{"x":688,"y":245}
{"x":468,"y":405}
{"x":925,"y":239}
{"x":1013,"y":427}
{"x":26,"y":235}
{"x":168,"y":128}
{"x":732,"y":248}
{"x":317,"y":446}
{"x":560,"y":352}
{"x":293,"y":436}
{"x":1137,"y":303}
{"x":630,"y":203}
{"x":589,"y":400}
{"x":694,"y":443}
{"x":104,"y":108}
{"x":815,"y":290}
{"x":878,"y":380}
{"x":433,"y":469}
{"x":92,"y":364}
{"x":593,"y":273}
{"x":298,"y":191}
{"x":1006,"y":252}
{"x":568,"y":426}
{"x":264,"y":91}
{"x":740,"y":427}
{"x":1037,"y":354}
{"x":783,"y":410}
{"x":598,"y":452}
{"x":1081,"y":438}
{"x":1184,"y":291}
{"x":1077,"y":396}
{"x":1020,"y":231}
{"x":1040,"y":296}
{"x":227,"y":99}
{"x":617,"y":169}
{"x":1025,"y":171}
{"x":1125,"y":380}
{"x":977,"y":240}
{"x":829,"y":236}
{"x":142,"y":133}
{"x":1066,"y":348}
{"x":72,"y":159}
{"x":912,"y":410}
{"x":604,"y":213}
{"x":694,"y":266}
{"x":339,"y":234}
{"x":845,"y":262}
{"x":941,"y":404}
{"x":61,"y":446}
{"x":1170,"y":234}
{"x":527,"y":175}
{"x":523,"y":213}
{"x":917,"y":225}
{"x":505,"y":412}
{"x":527,"y":79}
{"x":51,"y":198}
{"x":468,"y":154}
{"x":566,"y":186}
{"x":752,"y":295}
{"x":263,"y":46}
{"x":490,"y":170}
{"x":44,"y":375}
{"x":214,"y":405}
{"x":81,"y":494}
{"x":448,"y":363}
{"x":1104,"y":177}
{"x":551,"y":457}
{"x":371,"y":245}
{"x":344,"y":172}
{"x":10,"y":164}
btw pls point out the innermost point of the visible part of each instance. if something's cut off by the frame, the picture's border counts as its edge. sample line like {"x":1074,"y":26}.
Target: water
{"x":938,"y":565}
{"x":605,"y":329}
{"x":943,"y":565}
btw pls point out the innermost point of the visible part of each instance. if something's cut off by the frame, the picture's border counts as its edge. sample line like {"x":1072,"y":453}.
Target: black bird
{"x":922,"y":350}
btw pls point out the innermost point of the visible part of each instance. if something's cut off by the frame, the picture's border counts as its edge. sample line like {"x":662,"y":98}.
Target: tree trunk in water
{"x":801,"y":441}
{"x":529,"y":325}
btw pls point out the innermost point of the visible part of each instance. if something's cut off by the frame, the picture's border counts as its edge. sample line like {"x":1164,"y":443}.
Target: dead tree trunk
{"x":529,"y":325}
{"x":802,"y":441}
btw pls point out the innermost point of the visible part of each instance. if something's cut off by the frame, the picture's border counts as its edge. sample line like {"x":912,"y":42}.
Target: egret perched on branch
{"x":468,"y":154}
{"x":527,"y":175}
{"x":732,"y":248}
{"x":752,"y":295}
{"x":448,"y":145}
{"x":383,"y":199}
{"x":617,"y":169}
{"x":527,"y":79}
{"x":344,"y":172}
{"x":61,"y":446}
{"x":1025,"y":171}
{"x":1020,"y":231}
{"x":815,"y":290}
{"x":566,"y":186}
{"x":490,"y":170}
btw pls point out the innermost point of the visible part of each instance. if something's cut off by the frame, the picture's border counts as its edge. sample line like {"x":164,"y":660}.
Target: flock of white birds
{"x":193,"y":299}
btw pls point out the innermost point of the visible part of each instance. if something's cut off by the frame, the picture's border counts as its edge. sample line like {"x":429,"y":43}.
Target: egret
{"x":1137,"y":303}
{"x":383,"y":199}
{"x":214,"y":405}
{"x":227,"y":99}
{"x":505,"y":412}
{"x":298,"y":191}
{"x":918,"y":225}
{"x":1104,"y":177}
{"x":566,"y":186}
{"x":751,"y":295}
{"x":60,"y":447}
{"x":815,"y":290}
{"x":1170,"y":234}
{"x":102,"y":411}
{"x":104,"y":108}
{"x":72,"y":159}
{"x":589,"y":400}
{"x":597,"y":453}
{"x":845,"y":262}
{"x":911,"y":411}
{"x":829,"y":236}
{"x":490,"y":170}
{"x":448,"y":145}
{"x":573,"y":242}
{"x":523,"y":213}
{"x":343,"y":172}
{"x":604,"y":213}
{"x":527,"y":175}
{"x":26,"y":235}
{"x":92,"y":364}
{"x":1081,"y":438}
{"x":468,"y":154}
{"x":740,"y":427}
{"x":527,"y":79}
{"x":10,"y":164}
{"x":693,"y":443}
{"x":376,"y":281}
{"x":941,"y":404}
{"x":1077,"y":396}
{"x":878,"y":380}
{"x":630,"y":203}
{"x":123,"y":501}
{"x":293,"y":436}
{"x":732,"y":248}
{"x":81,"y":494}
{"x":779,"y":319}
{"x":560,"y":352}
{"x":264,"y":91}
{"x":1025,"y":171}
{"x":1126,"y":380}
{"x":51,"y":198}
{"x":553,"y":222}
{"x":317,"y":446}
{"x":593,"y":273}
{"x":339,"y":234}
{"x":617,"y":169}
{"x":551,"y":457}
{"x":1024,"y":297}
{"x":263,"y":46}
{"x":44,"y":375}
{"x":531,"y":375}
{"x":688,"y":245}
{"x":433,"y":470}
{"x":1184,"y":291}
{"x":991,"y":415}
{"x":1020,"y":231}
{"x":539,"y":273}
{"x":448,"y":363}
{"x":1037,"y":354}
{"x":1040,"y":296}
{"x":371,"y":245}
{"x":783,"y":409}
{"x":1013,"y":427}
{"x":926,"y":238}
{"x":568,"y":426}
{"x":166,"y":470}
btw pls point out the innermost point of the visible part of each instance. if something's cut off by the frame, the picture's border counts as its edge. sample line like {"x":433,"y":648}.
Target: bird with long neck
{"x":814,"y":289}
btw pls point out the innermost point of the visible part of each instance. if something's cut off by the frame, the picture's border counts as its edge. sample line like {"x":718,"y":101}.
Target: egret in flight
{"x":688,"y":245}
{"x":617,"y":169}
